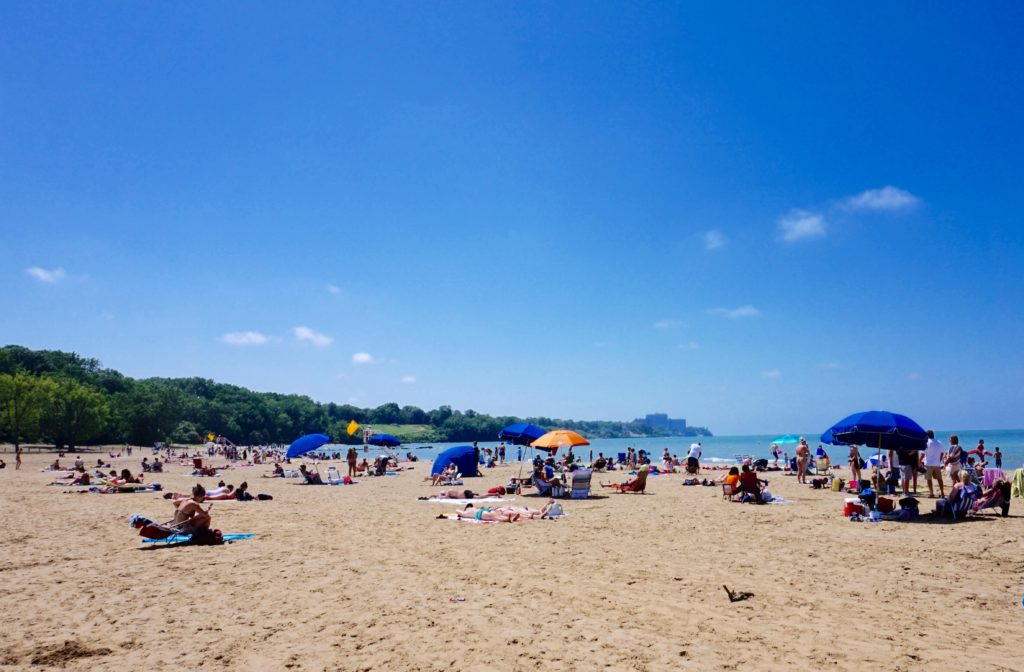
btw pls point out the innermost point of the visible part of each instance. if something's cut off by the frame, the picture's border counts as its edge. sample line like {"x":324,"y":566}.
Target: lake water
{"x":726,"y":448}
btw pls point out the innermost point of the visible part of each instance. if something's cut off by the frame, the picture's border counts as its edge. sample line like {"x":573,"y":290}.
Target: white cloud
{"x":830,"y":366}
{"x":243,"y":338}
{"x":668,"y":324}
{"x":914,"y":376}
{"x":47,"y":277}
{"x":773,"y":373}
{"x":692,"y":345}
{"x":408,"y":380}
{"x":363,"y":358}
{"x":312,"y":337}
{"x":332,"y":289}
{"x":736,"y":313}
{"x":714,"y":240}
{"x":888,"y":198}
{"x":799,"y":224}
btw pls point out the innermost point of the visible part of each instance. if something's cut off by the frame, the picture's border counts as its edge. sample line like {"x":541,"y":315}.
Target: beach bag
{"x":557,"y":491}
{"x":886,"y":505}
{"x":555,"y":510}
{"x":837,"y":485}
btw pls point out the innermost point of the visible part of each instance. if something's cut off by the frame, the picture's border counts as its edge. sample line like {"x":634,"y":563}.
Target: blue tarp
{"x":304,"y":444}
{"x":462,"y":456}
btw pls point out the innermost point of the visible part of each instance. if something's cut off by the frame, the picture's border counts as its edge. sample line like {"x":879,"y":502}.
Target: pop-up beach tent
{"x":464,"y":458}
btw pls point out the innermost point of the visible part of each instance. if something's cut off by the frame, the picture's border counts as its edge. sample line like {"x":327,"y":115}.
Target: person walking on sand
{"x":17,"y":458}
{"x":933,"y":460}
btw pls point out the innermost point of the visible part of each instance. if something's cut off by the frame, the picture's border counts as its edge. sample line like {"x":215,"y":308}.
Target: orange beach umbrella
{"x":552,"y":441}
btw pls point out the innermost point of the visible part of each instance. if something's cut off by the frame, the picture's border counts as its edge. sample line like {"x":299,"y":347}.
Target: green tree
{"x":77,"y":413}
{"x":23,"y":398}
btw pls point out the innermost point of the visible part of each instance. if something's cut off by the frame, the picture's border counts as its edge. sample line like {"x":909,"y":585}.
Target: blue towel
{"x":182,"y":538}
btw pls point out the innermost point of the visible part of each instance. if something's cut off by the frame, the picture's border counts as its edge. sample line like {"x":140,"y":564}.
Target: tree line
{"x":64,"y":399}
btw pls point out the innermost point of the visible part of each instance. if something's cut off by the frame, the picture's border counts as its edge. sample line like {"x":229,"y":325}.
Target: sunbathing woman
{"x":486,"y":513}
{"x":459,"y":494}
{"x":189,"y":513}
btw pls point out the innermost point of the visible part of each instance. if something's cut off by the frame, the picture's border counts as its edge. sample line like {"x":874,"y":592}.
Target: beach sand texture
{"x":362,"y":578}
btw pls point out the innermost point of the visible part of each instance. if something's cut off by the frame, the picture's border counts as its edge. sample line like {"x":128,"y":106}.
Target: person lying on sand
{"x":455,"y":493}
{"x":488,"y":514}
{"x":213,"y":495}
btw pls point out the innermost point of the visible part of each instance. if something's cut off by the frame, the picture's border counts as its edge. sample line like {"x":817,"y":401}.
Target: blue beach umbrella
{"x":304,"y":444}
{"x":522,"y":433}
{"x":786,"y":438}
{"x":385,"y":440}
{"x":877,"y":429}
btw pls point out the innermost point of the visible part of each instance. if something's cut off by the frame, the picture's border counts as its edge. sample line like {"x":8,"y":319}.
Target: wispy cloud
{"x":830,"y":366}
{"x":243,"y":338}
{"x":914,"y":376}
{"x":668,"y":324}
{"x":736,"y":313}
{"x":45,"y":276}
{"x":408,"y":380}
{"x":801,"y":224}
{"x":692,"y":345}
{"x":772,"y":373}
{"x":363,"y":358}
{"x":332,"y":289}
{"x":714,"y":240}
{"x":311,"y":336}
{"x":888,"y":199}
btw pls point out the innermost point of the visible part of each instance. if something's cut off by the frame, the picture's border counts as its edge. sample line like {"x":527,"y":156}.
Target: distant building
{"x":663,"y":422}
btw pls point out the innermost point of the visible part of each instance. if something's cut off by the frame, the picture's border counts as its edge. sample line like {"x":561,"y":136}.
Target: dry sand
{"x":361,"y":577}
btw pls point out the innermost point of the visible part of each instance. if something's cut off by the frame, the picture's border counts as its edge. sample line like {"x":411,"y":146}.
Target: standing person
{"x":351,"y":458}
{"x":803,"y":458}
{"x":854,"y":460}
{"x":693,"y":458}
{"x":954,"y":457}
{"x":501,"y":453}
{"x":998,"y":455}
{"x":907,"y":461}
{"x":933,"y":461}
{"x":17,"y":458}
{"x":775,"y":452}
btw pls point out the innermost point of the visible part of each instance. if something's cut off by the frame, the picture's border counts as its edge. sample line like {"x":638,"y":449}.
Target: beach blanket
{"x":127,"y":488}
{"x":465,"y":501}
{"x":780,"y":500}
{"x":185,"y":538}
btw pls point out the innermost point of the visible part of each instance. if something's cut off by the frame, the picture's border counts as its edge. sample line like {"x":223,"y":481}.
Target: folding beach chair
{"x":333,"y":476}
{"x":580,"y":484}
{"x":728,"y":491}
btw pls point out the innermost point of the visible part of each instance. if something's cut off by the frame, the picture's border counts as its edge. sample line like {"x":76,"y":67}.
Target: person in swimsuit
{"x":803,"y":458}
{"x":487,"y":514}
{"x":189,"y":513}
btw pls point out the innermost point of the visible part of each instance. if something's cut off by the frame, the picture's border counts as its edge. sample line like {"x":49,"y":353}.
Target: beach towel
{"x":991,"y":476}
{"x":186,"y":538}
{"x":465,"y":501}
{"x":1017,"y":486}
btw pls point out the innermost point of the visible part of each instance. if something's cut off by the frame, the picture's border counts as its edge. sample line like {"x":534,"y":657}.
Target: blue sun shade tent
{"x":462,"y":456}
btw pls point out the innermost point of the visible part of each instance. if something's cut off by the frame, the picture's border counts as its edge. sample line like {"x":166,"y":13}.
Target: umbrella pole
{"x":878,"y":461}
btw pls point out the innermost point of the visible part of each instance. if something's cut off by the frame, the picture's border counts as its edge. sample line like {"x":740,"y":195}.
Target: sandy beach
{"x":365,"y":577}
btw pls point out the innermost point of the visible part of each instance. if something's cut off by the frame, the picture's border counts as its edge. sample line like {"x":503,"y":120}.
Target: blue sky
{"x":760,"y":217}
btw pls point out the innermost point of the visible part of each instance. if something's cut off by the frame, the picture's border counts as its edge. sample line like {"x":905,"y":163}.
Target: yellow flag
{"x":210,"y":437}
{"x":353,"y":427}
